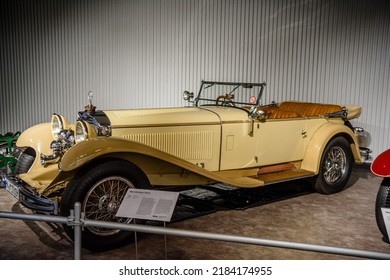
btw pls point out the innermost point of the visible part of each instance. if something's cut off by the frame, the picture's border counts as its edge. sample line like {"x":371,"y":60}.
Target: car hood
{"x":209,"y":115}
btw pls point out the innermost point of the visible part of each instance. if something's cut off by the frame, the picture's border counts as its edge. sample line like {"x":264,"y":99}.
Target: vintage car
{"x":225,"y":135}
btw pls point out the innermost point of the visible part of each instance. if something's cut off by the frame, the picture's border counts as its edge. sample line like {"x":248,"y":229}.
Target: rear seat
{"x":306,"y":109}
{"x":295,"y":109}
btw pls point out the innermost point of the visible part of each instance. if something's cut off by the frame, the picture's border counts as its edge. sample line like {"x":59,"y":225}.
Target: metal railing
{"x":77,"y":221}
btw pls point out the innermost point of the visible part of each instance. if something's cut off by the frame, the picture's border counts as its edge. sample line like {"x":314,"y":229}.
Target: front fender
{"x":37,"y":137}
{"x":321,"y":138}
{"x":86,"y":151}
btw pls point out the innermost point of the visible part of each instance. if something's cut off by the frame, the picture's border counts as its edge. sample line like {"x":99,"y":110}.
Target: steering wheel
{"x":226,"y":101}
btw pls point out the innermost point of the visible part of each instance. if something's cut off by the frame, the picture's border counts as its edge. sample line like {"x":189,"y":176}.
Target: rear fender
{"x":321,"y":138}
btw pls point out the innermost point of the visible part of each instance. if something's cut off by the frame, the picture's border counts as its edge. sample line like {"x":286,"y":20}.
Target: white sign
{"x":386,"y":219}
{"x":148,"y":205}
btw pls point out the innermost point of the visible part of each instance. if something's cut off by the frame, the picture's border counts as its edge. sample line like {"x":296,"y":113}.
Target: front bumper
{"x":27,"y":197}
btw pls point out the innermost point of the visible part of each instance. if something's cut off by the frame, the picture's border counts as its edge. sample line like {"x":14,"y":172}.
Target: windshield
{"x":229,"y":94}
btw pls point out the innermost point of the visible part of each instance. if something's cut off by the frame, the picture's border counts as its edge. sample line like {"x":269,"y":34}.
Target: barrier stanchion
{"x":77,"y":231}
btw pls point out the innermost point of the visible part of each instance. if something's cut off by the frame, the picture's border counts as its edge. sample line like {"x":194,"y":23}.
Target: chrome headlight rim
{"x":188,"y":96}
{"x":58,"y":124}
{"x":81,"y":133}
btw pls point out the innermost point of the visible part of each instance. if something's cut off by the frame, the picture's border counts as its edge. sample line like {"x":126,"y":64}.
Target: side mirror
{"x":188,"y":95}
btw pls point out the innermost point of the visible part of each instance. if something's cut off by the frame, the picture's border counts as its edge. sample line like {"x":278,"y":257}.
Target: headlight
{"x":58,"y":123}
{"x":81,"y":131}
{"x":84,"y":131}
{"x":187,"y":96}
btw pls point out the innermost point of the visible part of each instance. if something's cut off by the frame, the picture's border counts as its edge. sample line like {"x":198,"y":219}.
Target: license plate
{"x":11,"y":187}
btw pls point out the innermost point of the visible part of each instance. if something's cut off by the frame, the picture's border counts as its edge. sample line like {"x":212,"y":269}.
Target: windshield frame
{"x":235,"y":85}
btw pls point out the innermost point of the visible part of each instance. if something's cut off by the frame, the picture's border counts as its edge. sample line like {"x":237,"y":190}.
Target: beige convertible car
{"x":226,"y":135}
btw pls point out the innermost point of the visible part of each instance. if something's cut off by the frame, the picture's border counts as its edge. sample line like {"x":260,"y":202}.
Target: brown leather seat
{"x":306,"y":109}
{"x":277,"y":113}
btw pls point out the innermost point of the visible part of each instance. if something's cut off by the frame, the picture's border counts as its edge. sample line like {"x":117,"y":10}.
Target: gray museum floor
{"x":344,"y":219}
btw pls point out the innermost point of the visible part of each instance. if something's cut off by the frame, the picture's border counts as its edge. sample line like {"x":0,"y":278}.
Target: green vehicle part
{"x":7,"y":150}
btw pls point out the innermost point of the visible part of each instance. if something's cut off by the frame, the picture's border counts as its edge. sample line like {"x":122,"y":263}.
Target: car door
{"x":279,"y":140}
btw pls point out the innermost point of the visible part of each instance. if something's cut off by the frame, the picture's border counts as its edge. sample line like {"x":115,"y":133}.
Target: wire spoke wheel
{"x":103,"y":200}
{"x":335,"y":165}
{"x":100,"y":189}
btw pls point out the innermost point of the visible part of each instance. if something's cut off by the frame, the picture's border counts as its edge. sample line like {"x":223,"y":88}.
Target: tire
{"x":382,"y":200}
{"x":335,"y":167}
{"x":92,"y":187}
{"x":25,"y":160}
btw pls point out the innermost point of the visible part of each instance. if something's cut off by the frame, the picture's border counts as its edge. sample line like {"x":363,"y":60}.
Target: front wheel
{"x":335,"y":167}
{"x":100,"y":190}
{"x":382,"y":201}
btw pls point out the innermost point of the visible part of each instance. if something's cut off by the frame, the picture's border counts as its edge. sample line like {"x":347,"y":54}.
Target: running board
{"x":283,"y":176}
{"x":275,"y":168}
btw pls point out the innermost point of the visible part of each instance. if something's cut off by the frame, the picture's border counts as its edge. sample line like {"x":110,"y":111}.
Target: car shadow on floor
{"x":50,"y":234}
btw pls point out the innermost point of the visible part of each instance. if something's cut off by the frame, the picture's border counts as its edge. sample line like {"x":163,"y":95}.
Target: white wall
{"x":145,"y":53}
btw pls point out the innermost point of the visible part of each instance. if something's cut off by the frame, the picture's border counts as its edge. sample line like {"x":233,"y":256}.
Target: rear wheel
{"x":335,"y":167}
{"x":100,"y":190}
{"x":382,"y":201}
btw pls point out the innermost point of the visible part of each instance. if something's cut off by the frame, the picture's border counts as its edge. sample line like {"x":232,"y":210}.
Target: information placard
{"x":148,"y":205}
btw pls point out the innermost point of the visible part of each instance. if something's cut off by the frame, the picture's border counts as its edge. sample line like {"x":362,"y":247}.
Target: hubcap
{"x":335,"y":165}
{"x":103,"y":200}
